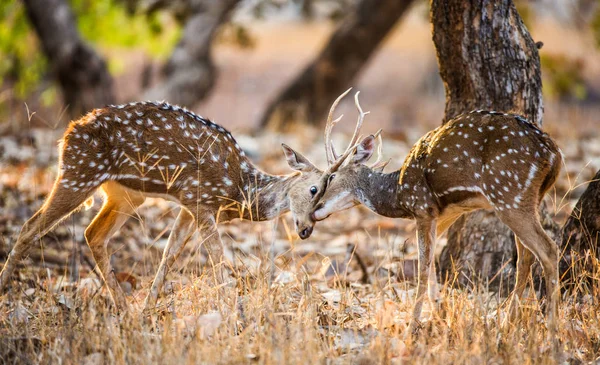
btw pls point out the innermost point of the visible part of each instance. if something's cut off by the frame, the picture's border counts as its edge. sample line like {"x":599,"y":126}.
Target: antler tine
{"x":332,"y":159}
{"x":329,"y":149}
{"x":356,"y":137}
{"x":380,"y":165}
{"x":379,"y":148}
{"x":341,"y":160}
{"x":334,"y":155}
{"x":359,"y":122}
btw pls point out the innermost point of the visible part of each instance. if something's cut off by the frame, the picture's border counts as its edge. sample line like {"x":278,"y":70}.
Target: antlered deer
{"x":151,"y":149}
{"x":478,"y":160}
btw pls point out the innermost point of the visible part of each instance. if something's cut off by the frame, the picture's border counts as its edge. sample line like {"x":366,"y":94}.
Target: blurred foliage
{"x":333,"y":9}
{"x":21,"y":63}
{"x":108,"y":24}
{"x":112,"y":26}
{"x":236,"y":34}
{"x":596,"y":26}
{"x":563,"y":78}
{"x":525,"y":12}
{"x":104,"y":23}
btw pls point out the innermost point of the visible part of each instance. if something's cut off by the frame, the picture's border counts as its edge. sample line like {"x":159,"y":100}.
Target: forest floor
{"x":289,"y":301}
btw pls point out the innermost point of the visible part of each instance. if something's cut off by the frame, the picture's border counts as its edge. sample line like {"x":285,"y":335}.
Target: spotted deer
{"x":149,"y":149}
{"x":478,"y":160}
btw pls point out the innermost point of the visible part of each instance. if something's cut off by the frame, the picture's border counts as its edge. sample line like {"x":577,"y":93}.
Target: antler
{"x":378,"y":164}
{"x":332,"y":158}
{"x":329,"y":149}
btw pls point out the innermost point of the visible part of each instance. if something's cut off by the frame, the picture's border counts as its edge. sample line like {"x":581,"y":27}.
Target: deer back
{"x":156,"y":148}
{"x":497,"y":155}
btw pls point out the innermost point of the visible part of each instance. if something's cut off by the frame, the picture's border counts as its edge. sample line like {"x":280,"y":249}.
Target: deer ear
{"x":365,"y":150}
{"x":296,"y":160}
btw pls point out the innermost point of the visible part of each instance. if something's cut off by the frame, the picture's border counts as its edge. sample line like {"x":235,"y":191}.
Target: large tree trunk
{"x":487,"y":60}
{"x":190,"y":73}
{"x":308,"y":97}
{"x":579,"y":240}
{"x":81,"y":72}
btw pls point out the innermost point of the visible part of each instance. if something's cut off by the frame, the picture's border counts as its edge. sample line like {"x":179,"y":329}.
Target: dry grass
{"x":285,"y":303}
{"x":294,"y":318}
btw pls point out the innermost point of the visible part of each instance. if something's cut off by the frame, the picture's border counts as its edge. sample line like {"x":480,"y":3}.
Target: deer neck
{"x":265,"y":196}
{"x":379,"y":192}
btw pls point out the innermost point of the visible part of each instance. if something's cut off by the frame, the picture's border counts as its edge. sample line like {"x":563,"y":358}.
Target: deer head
{"x":337,"y":186}
{"x":310,"y":186}
{"x":303,"y":191}
{"x":341,"y":189}
{"x":477,"y":160}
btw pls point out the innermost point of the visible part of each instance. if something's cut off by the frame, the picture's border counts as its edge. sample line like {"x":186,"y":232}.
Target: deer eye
{"x":331,"y":178}
{"x":313,"y":190}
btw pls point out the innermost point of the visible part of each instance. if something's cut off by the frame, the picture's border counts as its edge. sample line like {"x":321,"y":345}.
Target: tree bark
{"x":190,"y":73}
{"x":80,"y":71}
{"x":308,"y":97}
{"x":579,"y":239}
{"x":487,"y":60}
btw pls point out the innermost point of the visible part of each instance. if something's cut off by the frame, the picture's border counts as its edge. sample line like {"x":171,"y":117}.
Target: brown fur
{"x":479,"y":160}
{"x":146,"y":149}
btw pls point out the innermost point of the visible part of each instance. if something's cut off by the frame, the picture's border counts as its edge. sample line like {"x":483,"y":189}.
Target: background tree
{"x":81,"y":73}
{"x":580,"y":237}
{"x":309,"y":96}
{"x":29,"y":72}
{"x":190,"y":74}
{"x":487,"y":60}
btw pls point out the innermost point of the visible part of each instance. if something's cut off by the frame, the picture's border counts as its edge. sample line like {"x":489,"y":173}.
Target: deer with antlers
{"x":149,"y":149}
{"x":478,"y":160}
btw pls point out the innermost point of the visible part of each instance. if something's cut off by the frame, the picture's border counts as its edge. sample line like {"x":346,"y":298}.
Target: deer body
{"x":165,"y":151}
{"x":147,"y":149}
{"x":478,"y":160}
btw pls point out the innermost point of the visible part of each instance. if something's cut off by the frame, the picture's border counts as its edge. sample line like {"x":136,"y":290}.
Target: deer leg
{"x":425,"y":239}
{"x":443,"y":223}
{"x":61,"y":202}
{"x":550,"y":265}
{"x":432,"y":283}
{"x":524,"y":261}
{"x":117,"y":208}
{"x":181,"y":233}
{"x":533,"y":237}
{"x":442,"y":226}
{"x":215,"y":248}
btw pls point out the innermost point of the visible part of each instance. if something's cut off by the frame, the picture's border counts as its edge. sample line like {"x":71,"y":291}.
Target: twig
{"x":365,"y":277}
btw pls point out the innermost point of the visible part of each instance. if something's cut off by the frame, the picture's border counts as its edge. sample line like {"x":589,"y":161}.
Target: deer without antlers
{"x":148,"y":149}
{"x":478,"y":160}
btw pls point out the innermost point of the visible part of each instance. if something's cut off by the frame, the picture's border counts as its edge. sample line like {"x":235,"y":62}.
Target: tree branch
{"x":308,"y":96}
{"x":80,"y":71}
{"x":190,"y":72}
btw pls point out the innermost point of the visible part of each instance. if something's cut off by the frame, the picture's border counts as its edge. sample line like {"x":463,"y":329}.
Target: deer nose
{"x":305,"y":233}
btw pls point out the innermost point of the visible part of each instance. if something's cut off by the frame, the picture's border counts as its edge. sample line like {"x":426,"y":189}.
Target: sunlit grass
{"x":280,"y":306}
{"x":298,"y":320}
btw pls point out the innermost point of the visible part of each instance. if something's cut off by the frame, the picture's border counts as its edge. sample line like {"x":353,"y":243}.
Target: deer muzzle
{"x":305,"y":233}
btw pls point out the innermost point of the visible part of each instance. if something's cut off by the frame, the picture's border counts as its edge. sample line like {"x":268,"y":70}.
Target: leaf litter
{"x":313,"y":302}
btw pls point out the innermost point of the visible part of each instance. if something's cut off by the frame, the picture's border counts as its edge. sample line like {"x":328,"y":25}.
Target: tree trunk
{"x":579,"y":240}
{"x":80,"y":71}
{"x":190,"y":73}
{"x":308,"y":97}
{"x":487,"y":60}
